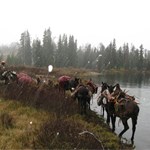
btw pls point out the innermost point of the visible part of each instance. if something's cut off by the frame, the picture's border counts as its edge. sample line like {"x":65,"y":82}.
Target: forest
{"x":67,"y":53}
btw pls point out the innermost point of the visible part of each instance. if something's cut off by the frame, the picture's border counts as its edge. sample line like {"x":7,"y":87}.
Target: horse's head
{"x":76,"y":82}
{"x":110,"y":88}
{"x":73,"y":83}
{"x":104,"y":86}
{"x":103,"y":95}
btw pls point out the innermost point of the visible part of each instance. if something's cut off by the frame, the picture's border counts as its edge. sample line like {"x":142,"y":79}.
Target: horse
{"x":124,"y":108}
{"x":101,"y":102}
{"x":8,"y":76}
{"x":83,"y":95}
{"x":67,"y":83}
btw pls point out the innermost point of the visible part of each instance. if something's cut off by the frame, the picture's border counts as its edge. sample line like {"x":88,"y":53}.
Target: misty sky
{"x":90,"y":21}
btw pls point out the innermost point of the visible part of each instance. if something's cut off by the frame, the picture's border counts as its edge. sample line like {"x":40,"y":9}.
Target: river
{"x":138,"y":86}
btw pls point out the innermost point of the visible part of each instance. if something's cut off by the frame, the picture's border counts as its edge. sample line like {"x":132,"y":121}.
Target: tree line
{"x":66,"y":53}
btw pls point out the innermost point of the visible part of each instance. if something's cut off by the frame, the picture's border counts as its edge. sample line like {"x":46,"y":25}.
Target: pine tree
{"x":25,"y":53}
{"x":141,"y":58}
{"x":72,"y":52}
{"x":37,"y":53}
{"x":48,"y":48}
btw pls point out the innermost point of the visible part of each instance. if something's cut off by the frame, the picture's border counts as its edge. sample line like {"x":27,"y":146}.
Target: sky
{"x":89,"y":21}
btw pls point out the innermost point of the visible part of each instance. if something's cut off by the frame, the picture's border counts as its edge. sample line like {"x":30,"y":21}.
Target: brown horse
{"x":122,"y":107}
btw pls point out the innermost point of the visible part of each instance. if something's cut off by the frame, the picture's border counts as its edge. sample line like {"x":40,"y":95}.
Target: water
{"x":138,"y":86}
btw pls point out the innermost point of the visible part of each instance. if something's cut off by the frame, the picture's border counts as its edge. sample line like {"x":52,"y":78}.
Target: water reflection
{"x":137,"y":80}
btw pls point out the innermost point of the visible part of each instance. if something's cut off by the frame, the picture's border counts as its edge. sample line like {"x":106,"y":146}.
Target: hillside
{"x":38,"y":117}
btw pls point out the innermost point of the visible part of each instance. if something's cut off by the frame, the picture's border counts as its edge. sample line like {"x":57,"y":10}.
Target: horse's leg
{"x":6,"y":81}
{"x":113,"y":120}
{"x":88,"y":99}
{"x":134,"y":122}
{"x":126,"y":127}
{"x":108,"y":116}
{"x":102,"y":109}
{"x":84,"y":105}
{"x":80,"y":105}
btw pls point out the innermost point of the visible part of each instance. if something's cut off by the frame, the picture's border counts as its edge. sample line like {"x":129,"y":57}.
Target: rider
{"x":2,"y":67}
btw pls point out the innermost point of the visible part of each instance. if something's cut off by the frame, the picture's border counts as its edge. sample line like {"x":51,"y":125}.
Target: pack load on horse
{"x":24,"y":79}
{"x":67,"y":83}
{"x":6,"y":75}
{"x":120,"y":105}
{"x":93,"y":87}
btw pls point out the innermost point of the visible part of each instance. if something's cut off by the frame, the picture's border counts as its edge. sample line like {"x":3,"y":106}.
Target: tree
{"x":59,"y":52}
{"x":113,"y":54}
{"x":119,"y":58}
{"x":25,"y":53}
{"x":126,"y":56}
{"x":37,"y":53}
{"x":72,"y":52}
{"x":141,"y":59}
{"x":48,"y":48}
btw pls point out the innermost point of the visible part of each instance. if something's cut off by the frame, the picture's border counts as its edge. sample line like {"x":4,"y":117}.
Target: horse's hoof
{"x":113,"y":130}
{"x":119,"y":136}
{"x":132,"y":141}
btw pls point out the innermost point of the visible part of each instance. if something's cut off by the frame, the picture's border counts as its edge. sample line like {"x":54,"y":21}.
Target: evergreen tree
{"x":59,"y":52}
{"x":126,"y":56}
{"x":37,"y":53}
{"x":12,"y":59}
{"x":113,"y":54}
{"x":141,"y":59}
{"x":80,"y":56}
{"x":101,"y":57}
{"x":119,"y":58}
{"x":1,"y":56}
{"x":25,"y":53}
{"x":48,"y":48}
{"x":65,"y":59}
{"x":72,"y":52}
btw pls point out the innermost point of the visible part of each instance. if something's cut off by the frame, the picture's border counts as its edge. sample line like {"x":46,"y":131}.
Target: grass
{"x":34,"y":128}
{"x":16,"y":135}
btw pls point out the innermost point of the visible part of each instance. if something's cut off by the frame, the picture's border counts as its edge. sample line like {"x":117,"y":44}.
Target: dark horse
{"x":83,"y":95}
{"x":122,"y":107}
{"x":8,"y":76}
{"x":102,"y":102}
{"x":68,"y":83}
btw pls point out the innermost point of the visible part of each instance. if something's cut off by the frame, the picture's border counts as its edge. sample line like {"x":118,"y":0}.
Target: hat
{"x":3,"y":62}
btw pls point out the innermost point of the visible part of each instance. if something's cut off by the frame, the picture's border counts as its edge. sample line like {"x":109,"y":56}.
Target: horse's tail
{"x":136,"y":112}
